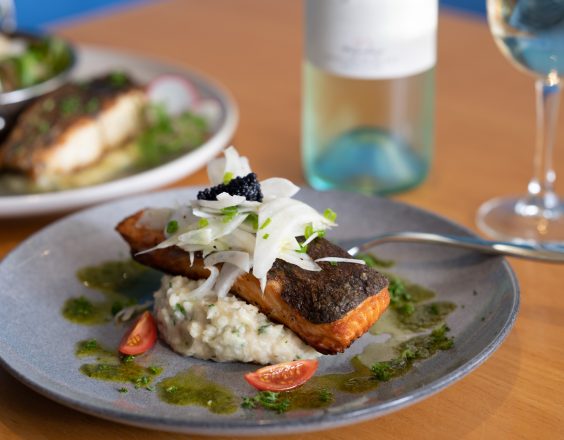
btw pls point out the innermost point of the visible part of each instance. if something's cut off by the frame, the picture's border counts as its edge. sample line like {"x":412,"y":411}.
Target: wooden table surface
{"x":485,"y":128}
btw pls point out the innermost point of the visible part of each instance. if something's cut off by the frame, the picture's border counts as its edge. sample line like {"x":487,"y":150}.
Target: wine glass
{"x":530,"y":33}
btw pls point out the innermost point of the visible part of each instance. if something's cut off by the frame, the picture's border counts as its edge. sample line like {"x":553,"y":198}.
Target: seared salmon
{"x":73,"y":127}
{"x":327,"y":309}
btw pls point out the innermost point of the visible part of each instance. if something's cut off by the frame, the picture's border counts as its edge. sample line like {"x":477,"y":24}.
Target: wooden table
{"x":485,"y":121}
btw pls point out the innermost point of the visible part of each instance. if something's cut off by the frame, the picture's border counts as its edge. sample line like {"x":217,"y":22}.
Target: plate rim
{"x":17,"y":206}
{"x":249,"y":427}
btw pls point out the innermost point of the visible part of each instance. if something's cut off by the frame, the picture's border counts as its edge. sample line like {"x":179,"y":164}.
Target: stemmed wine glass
{"x":530,"y":33}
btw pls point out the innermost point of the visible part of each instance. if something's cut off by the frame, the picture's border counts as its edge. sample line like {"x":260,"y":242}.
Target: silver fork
{"x":551,"y":253}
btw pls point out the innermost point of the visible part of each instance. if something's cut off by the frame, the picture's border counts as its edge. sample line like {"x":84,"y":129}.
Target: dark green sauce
{"x":193,"y":388}
{"x":407,"y":300}
{"x":318,"y":392}
{"x":83,"y":311}
{"x":110,"y":366}
{"x":91,"y":348}
{"x":426,"y":315}
{"x":414,"y":349}
{"x":123,"y":283}
{"x":125,"y":278}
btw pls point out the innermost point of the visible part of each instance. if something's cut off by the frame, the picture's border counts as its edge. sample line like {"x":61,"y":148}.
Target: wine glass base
{"x":511,"y":219}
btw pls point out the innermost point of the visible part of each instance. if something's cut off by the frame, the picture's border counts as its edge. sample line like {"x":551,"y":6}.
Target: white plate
{"x":93,"y":61}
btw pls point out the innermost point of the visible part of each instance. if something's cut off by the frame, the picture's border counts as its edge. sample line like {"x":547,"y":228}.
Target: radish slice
{"x":174,"y":92}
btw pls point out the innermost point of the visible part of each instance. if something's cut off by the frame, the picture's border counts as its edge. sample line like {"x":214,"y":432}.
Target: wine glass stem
{"x":541,"y":197}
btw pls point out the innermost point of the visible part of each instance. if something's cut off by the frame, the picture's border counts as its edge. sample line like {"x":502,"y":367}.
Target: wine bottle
{"x":368,"y":93}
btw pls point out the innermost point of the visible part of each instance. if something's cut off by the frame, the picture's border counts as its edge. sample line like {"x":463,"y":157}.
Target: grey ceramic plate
{"x":37,"y":345}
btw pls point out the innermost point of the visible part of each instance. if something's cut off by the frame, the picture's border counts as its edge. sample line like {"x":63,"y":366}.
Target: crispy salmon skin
{"x":327,"y":309}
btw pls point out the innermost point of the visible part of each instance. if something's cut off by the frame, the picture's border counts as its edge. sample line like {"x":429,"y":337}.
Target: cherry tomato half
{"x":141,"y":337}
{"x":282,"y":377}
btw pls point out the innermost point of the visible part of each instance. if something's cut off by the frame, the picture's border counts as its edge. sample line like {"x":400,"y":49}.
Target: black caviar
{"x":247,"y":186}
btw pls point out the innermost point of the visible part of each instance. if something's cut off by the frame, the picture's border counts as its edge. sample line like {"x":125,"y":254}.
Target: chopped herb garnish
{"x":70,"y":105}
{"x":180,"y":308}
{"x":90,"y":344}
{"x":228,"y":177}
{"x":172,"y":227}
{"x":123,"y":390}
{"x":142,"y":381}
{"x":249,"y":403}
{"x":118,"y":79}
{"x":128,"y":358}
{"x":325,"y":395}
{"x":265,"y":236}
{"x":203,"y":222}
{"x":302,"y":249}
{"x":268,"y":400}
{"x":330,"y":215}
{"x":265,"y":223}
{"x":171,"y":389}
{"x":262,"y":328}
{"x":211,"y":305}
{"x":43,"y":126}
{"x":309,"y":231}
{"x":150,"y":388}
{"x":92,"y":105}
{"x":229,"y":213}
{"x":155,"y":370}
{"x":420,"y":347}
{"x":253,"y":219}
{"x":400,"y":299}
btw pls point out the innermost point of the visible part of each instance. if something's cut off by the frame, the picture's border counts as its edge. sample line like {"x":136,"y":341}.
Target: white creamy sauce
{"x":224,"y":329}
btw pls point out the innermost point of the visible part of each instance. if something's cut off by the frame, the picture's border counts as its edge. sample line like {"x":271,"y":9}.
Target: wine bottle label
{"x":371,"y":39}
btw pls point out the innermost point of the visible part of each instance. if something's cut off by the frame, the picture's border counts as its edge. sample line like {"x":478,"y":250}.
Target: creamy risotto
{"x":224,"y":329}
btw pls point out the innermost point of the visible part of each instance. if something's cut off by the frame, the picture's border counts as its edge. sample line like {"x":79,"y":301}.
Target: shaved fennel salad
{"x":244,"y":225}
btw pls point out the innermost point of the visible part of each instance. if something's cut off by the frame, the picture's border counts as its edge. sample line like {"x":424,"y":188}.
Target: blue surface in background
{"x":33,"y":14}
{"x":474,"y":6}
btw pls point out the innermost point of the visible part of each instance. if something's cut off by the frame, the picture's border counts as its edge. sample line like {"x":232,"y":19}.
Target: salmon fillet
{"x":328,"y":309}
{"x":73,"y":127}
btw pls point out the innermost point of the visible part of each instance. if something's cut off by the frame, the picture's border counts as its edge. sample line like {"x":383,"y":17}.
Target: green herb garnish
{"x":203,"y":222}
{"x":171,"y":227}
{"x":229,"y":213}
{"x":90,"y":344}
{"x":92,"y":105}
{"x":128,"y":358}
{"x":253,"y":219}
{"x":70,"y":105}
{"x":228,"y":177}
{"x":330,"y":215}
{"x":262,"y":328}
{"x":118,"y":79}
{"x":123,"y":390}
{"x":155,"y":370}
{"x":265,"y":236}
{"x":420,"y":347}
{"x":268,"y":400}
{"x":265,"y":223}
{"x":180,"y":308}
{"x":142,"y":381}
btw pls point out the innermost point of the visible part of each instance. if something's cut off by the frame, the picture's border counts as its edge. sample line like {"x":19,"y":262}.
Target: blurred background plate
{"x":93,"y":61}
